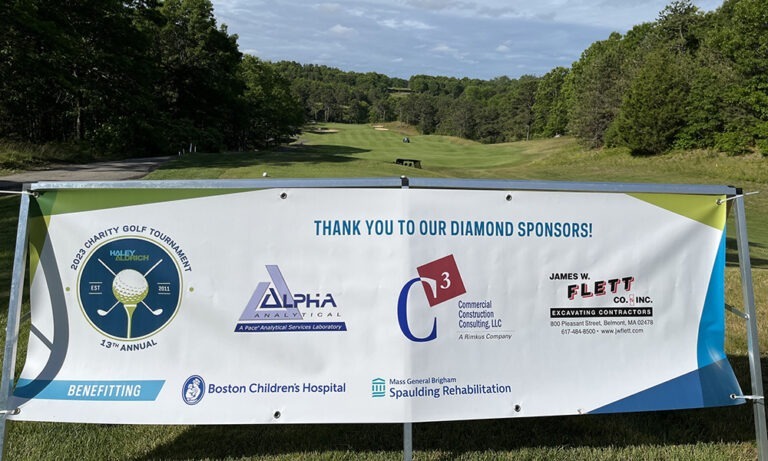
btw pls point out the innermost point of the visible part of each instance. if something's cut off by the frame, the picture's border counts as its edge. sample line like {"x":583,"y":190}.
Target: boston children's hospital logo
{"x":129,"y":288}
{"x":193,"y":390}
{"x":441,"y":282}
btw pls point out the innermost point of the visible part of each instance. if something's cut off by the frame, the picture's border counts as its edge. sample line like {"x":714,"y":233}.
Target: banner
{"x":372,"y":305}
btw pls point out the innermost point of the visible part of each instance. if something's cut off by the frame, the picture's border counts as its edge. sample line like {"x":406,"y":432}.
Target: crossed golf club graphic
{"x":130,"y":287}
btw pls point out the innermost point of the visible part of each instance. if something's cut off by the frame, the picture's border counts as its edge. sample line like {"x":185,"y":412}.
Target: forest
{"x":150,"y":76}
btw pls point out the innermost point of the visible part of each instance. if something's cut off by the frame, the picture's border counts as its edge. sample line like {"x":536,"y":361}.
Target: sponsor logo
{"x":129,"y":288}
{"x":378,"y":388}
{"x":441,"y":281}
{"x":324,"y":389}
{"x":193,"y":390}
{"x":604,"y":297}
{"x":272,"y":308}
{"x":434,"y":387}
{"x":604,"y":306}
{"x":600,"y":287}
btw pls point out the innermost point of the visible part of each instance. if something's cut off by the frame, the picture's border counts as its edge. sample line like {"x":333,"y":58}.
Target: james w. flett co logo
{"x":441,"y":281}
{"x":129,"y":288}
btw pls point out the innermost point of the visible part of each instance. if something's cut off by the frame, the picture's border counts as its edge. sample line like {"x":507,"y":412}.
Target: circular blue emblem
{"x":129,"y":288}
{"x":193,"y":390}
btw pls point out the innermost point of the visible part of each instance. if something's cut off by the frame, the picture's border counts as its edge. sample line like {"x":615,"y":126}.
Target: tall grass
{"x":16,"y":156}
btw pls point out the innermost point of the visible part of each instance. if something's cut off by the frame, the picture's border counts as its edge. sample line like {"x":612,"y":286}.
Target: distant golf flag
{"x":342,"y":305}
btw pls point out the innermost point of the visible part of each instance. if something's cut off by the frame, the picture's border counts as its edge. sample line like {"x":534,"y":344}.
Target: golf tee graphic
{"x":441,"y":281}
{"x":129,"y":288}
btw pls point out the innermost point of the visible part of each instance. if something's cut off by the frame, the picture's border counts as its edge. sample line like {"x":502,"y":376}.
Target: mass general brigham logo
{"x":378,"y":387}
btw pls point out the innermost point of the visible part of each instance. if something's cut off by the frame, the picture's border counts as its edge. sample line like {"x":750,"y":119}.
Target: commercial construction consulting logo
{"x":193,"y":390}
{"x":129,"y":288}
{"x":441,"y":281}
{"x":274,"y":308}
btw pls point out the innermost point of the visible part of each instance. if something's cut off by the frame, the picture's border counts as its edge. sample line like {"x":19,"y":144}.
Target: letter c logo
{"x":402,"y":315}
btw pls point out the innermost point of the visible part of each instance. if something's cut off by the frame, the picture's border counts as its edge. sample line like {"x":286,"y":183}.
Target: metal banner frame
{"x":732,"y":194}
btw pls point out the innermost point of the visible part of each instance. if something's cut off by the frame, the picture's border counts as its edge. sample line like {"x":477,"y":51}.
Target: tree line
{"x":138,"y":76}
{"x":689,"y":79}
{"x":151,"y":75}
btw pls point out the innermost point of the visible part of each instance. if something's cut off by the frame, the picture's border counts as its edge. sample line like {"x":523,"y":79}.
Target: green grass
{"x":18,"y":156}
{"x":361,"y":151}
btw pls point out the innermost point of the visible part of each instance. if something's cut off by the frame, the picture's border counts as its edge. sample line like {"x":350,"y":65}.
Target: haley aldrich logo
{"x":273,"y":307}
{"x":441,"y":281}
{"x":129,"y":288}
{"x":193,"y":390}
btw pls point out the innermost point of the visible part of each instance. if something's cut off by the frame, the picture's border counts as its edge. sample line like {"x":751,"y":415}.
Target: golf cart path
{"x":115,"y":170}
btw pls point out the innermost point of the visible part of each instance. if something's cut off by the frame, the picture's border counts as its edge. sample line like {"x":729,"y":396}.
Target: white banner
{"x":372,"y":305}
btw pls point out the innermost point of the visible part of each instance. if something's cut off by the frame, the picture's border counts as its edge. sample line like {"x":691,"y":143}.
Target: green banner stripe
{"x":37,"y":228}
{"x":701,"y":208}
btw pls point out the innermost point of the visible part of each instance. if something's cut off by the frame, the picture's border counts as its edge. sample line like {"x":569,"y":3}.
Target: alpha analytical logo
{"x":441,"y":281}
{"x":193,"y":390}
{"x":273,"y":308}
{"x":129,"y":288}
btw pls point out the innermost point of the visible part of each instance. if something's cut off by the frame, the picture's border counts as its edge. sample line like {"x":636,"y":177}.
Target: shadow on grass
{"x":282,"y":156}
{"x":732,"y":255}
{"x":689,"y":427}
{"x":9,"y":218}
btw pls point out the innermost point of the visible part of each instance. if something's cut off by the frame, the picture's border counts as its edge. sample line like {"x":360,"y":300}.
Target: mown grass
{"x":361,"y":151}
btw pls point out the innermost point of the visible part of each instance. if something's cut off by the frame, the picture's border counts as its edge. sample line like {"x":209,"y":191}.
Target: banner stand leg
{"x":747,"y":287}
{"x":407,"y":427}
{"x":14,"y":316}
{"x":407,"y":441}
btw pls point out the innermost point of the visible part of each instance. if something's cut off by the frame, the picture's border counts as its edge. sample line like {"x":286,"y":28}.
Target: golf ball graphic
{"x":130,"y":287}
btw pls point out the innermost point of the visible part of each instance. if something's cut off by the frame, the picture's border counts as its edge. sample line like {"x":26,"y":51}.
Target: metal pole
{"x":407,"y":427}
{"x":758,"y":405}
{"x":407,"y":441}
{"x":14,"y":315}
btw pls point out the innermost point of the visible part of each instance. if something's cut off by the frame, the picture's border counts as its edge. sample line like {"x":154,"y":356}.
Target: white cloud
{"x":391,"y":23}
{"x":618,"y":15}
{"x":405,"y":24}
{"x":481,"y":8}
{"x":338,"y":8}
{"x":472,"y":38}
{"x":329,"y":7}
{"x":410,"y":24}
{"x":342,"y":31}
{"x":455,"y":53}
{"x":432,"y":4}
{"x":234,"y":6}
{"x":443,"y":48}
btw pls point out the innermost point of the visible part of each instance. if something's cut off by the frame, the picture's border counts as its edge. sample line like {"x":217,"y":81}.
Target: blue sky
{"x":457,"y":38}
